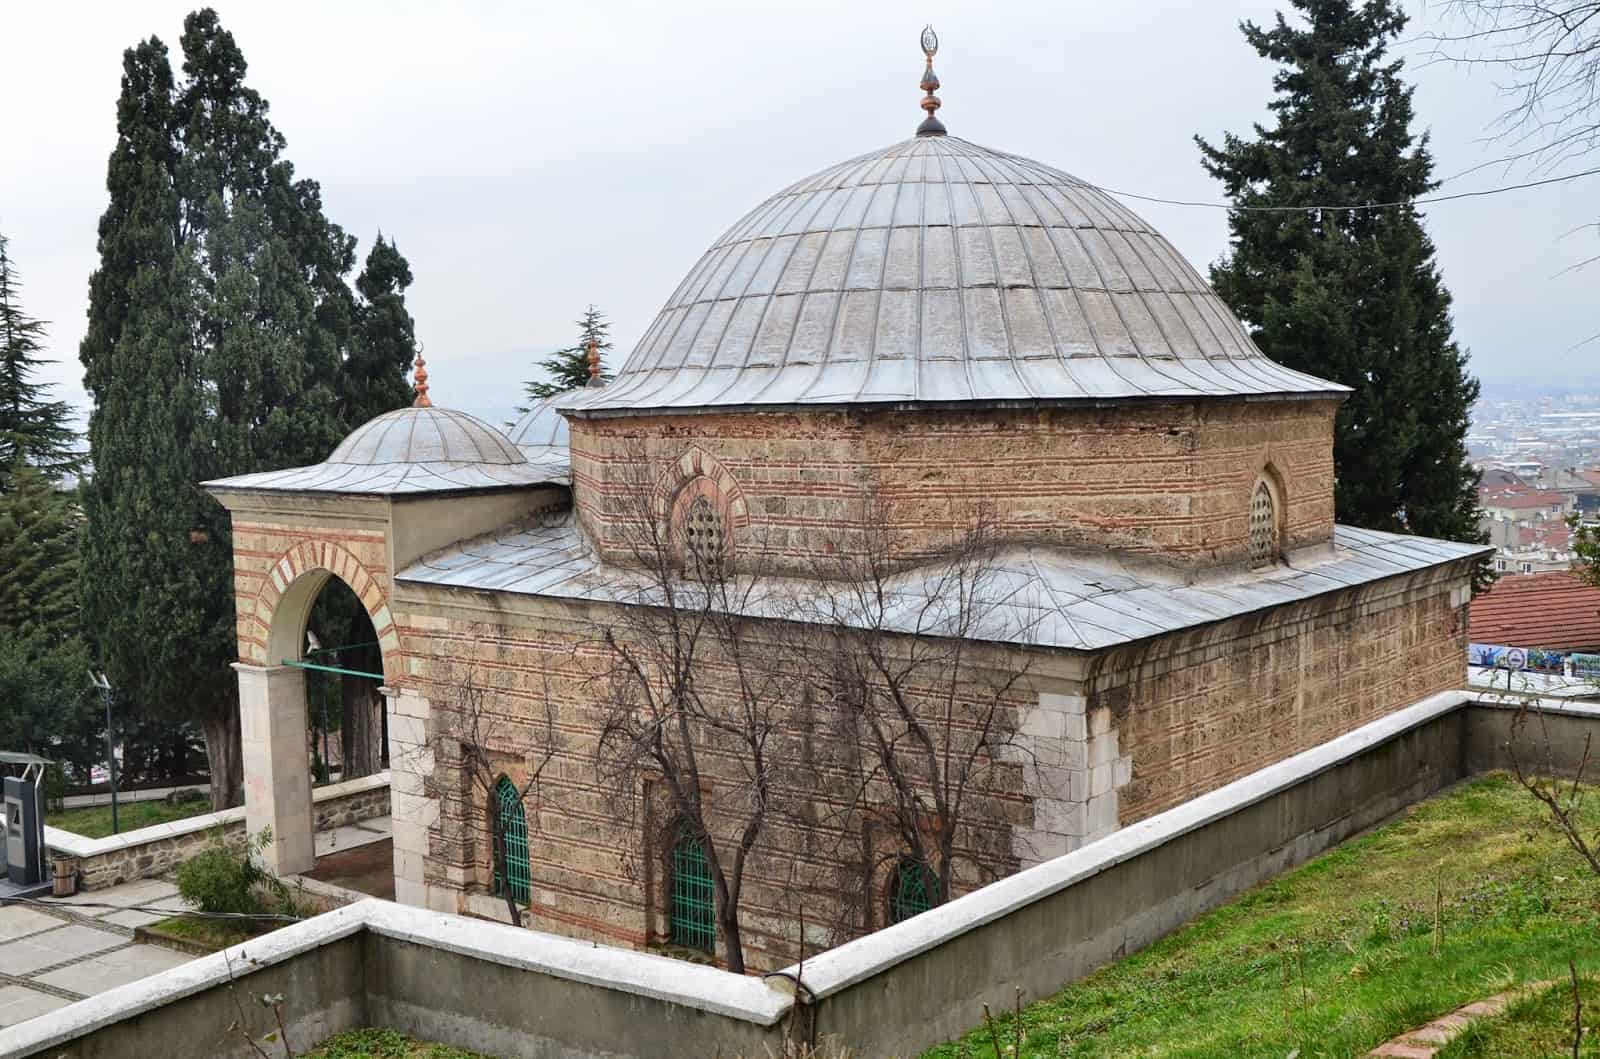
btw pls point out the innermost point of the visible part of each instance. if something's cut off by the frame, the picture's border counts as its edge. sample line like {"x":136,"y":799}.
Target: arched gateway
{"x":401,"y":485}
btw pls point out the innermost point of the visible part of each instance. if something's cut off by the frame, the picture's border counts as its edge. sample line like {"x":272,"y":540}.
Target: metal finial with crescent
{"x":931,"y":125}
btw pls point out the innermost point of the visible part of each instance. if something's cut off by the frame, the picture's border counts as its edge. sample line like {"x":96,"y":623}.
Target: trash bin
{"x":64,"y":881}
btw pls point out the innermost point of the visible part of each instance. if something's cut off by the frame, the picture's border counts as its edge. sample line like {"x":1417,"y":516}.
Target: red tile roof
{"x":1551,"y":533}
{"x":1553,"y":611}
{"x":1518,"y":497}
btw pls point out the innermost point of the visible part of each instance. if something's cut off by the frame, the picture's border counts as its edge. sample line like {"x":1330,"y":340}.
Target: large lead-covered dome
{"x":937,"y":271}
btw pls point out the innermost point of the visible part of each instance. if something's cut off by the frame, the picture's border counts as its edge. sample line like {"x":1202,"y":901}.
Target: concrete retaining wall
{"x":923,"y":981}
{"x":492,"y":988}
{"x":151,"y":851}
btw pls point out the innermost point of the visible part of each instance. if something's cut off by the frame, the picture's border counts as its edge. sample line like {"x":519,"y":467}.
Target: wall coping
{"x":717,"y":991}
{"x":658,"y":977}
{"x":839,"y":968}
{"x":75,"y":845}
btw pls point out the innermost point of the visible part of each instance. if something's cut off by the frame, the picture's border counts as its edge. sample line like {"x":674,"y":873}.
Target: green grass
{"x":95,"y":821}
{"x":1535,"y":1027}
{"x":1337,"y":956}
{"x":215,"y":934}
{"x":384,"y":1044}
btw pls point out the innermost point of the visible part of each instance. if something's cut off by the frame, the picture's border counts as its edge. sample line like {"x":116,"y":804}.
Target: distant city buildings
{"x":1540,"y":459}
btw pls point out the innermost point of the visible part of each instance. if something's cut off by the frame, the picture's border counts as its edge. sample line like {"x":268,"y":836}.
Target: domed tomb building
{"x":924,"y":340}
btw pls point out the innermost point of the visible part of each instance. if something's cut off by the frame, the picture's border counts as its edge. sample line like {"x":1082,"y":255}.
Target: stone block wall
{"x":1171,"y":480}
{"x":148,"y":852}
{"x":1197,"y":710}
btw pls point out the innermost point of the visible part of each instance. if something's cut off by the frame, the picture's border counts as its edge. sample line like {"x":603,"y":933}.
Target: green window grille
{"x":694,"y":903}
{"x":915,"y":889}
{"x":514,"y":833}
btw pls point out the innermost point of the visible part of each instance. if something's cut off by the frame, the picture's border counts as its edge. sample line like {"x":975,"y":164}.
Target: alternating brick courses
{"x":1169,"y":479}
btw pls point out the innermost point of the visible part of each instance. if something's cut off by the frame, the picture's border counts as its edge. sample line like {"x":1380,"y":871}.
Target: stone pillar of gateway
{"x":399,"y":486}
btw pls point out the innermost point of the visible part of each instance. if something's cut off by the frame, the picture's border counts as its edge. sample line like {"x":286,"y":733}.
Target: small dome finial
{"x":421,"y":384}
{"x":931,"y":125}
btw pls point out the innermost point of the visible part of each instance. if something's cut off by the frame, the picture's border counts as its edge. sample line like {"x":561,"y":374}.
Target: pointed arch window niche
{"x":1265,"y":548}
{"x":513,"y":829}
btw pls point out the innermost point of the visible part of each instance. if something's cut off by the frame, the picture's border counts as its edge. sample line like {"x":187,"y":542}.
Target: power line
{"x":1429,"y":200}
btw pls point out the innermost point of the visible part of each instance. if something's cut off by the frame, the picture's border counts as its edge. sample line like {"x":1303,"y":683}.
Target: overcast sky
{"x":531,"y":159}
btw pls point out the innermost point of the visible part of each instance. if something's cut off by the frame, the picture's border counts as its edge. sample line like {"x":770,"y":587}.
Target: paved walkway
{"x":64,"y":949}
{"x":54,"y":951}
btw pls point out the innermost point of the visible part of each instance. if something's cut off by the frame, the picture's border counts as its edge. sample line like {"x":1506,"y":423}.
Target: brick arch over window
{"x":692,"y":485}
{"x":274,"y":627}
{"x":698,"y":473}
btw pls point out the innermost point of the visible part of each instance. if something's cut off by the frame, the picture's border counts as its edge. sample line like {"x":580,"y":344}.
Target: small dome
{"x":543,"y":426}
{"x":426,"y":435}
{"x":936,"y":270}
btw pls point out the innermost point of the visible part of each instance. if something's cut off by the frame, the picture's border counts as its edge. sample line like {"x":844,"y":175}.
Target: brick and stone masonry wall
{"x":1208,"y":707}
{"x":1167,"y":479}
{"x":1102,"y":742}
{"x":148,"y":852}
{"x":271,"y":553}
{"x":598,"y":877}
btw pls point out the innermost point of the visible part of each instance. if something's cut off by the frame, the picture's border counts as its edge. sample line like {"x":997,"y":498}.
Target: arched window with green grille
{"x":513,"y":828}
{"x":915,"y":889}
{"x":694,"y":902}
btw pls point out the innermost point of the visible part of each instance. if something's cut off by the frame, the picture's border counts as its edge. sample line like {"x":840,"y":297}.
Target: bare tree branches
{"x":484,"y":754}
{"x":1565,"y":802}
{"x":693,"y":696}
{"x":924,"y":719}
{"x":1551,"y":51}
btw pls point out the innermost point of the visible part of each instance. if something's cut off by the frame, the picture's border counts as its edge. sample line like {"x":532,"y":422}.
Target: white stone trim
{"x":657,"y":977}
{"x":75,"y":845}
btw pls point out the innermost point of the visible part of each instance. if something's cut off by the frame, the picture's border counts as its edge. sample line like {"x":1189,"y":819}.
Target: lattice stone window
{"x":694,"y":904}
{"x":703,"y":533}
{"x":915,"y":890}
{"x":514,"y":834}
{"x":1263,"y":526}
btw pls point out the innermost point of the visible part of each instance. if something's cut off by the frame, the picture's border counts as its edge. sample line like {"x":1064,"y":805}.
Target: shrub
{"x":224,"y":877}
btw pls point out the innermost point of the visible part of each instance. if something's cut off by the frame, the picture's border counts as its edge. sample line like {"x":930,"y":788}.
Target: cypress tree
{"x":569,"y":368}
{"x":384,"y":341}
{"x":1354,"y":296}
{"x":220,"y":324}
{"x":33,"y":429}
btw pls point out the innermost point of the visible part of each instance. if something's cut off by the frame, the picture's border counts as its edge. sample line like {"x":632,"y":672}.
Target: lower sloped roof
{"x":1036,"y":596}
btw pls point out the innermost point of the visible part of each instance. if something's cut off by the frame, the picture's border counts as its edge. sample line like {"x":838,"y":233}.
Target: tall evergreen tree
{"x":569,"y":368}
{"x":38,"y":559}
{"x":45,"y":702}
{"x":220,"y":324}
{"x":1353,"y":296}
{"x":384,"y":339}
{"x":33,"y":429}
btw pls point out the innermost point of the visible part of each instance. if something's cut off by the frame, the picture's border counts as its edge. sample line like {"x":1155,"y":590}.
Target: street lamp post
{"x":104,"y":685}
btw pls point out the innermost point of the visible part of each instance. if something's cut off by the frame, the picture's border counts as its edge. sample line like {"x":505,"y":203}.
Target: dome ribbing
{"x":425,"y":434}
{"x":938,"y":271}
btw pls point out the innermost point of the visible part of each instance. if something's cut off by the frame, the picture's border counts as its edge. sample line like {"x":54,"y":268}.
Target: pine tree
{"x":568,"y":368}
{"x":220,"y":326}
{"x":45,"y":702}
{"x":38,"y":559}
{"x":33,"y":429}
{"x":1353,"y":296}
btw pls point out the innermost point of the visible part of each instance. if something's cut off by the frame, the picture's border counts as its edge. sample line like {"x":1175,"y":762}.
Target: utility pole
{"x":100,"y":681}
